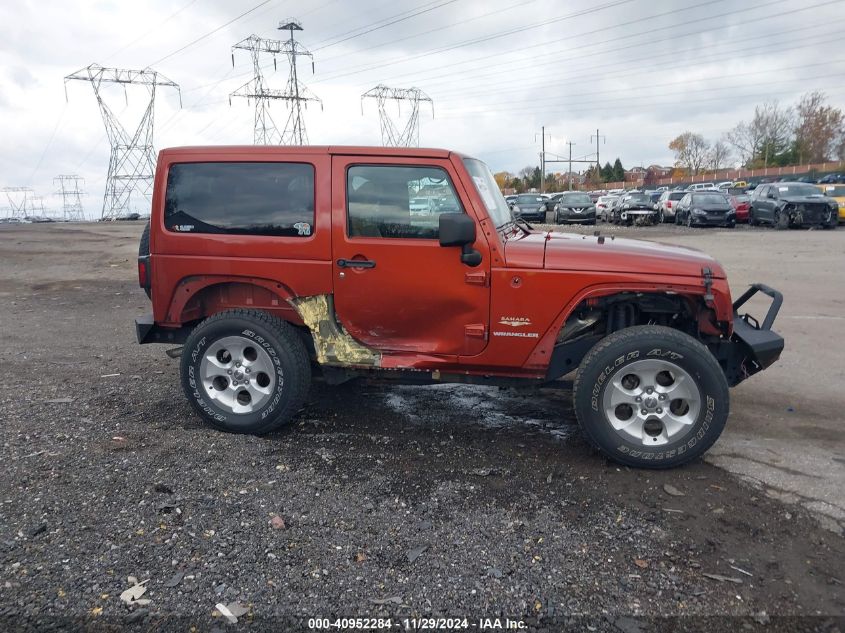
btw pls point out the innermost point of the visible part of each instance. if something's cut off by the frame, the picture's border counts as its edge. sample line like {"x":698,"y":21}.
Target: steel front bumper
{"x":754,"y":346}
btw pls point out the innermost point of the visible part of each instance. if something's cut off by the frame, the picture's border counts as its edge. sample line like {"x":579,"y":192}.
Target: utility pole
{"x":542,"y":158}
{"x":390,"y":134}
{"x":603,"y":139}
{"x":133,"y":158}
{"x":265,"y":131}
{"x":569,"y":175}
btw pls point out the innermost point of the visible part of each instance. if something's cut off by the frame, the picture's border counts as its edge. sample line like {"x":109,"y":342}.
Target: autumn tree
{"x":690,"y":151}
{"x":819,"y":128}
{"x":503,"y":179}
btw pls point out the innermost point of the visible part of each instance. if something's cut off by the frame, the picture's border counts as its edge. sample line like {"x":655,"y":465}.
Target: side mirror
{"x":458,"y":229}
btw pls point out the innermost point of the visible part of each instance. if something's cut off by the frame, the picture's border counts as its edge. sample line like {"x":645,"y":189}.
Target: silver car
{"x":667,"y":203}
{"x":604,"y":205}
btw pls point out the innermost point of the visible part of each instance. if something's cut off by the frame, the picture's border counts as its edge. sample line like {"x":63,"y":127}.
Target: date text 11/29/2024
{"x":417,"y":624}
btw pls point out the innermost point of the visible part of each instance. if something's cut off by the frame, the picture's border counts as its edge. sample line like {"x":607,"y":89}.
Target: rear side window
{"x":398,"y":201}
{"x":240,"y":198}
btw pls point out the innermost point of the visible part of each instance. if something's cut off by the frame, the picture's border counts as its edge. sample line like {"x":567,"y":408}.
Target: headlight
{"x":557,"y":207}
{"x":698,"y":212}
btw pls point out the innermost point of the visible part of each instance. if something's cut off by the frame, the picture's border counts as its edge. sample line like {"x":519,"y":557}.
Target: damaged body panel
{"x":332,"y":344}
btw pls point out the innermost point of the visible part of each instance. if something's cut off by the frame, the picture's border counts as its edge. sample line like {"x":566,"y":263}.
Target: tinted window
{"x":638,"y":197}
{"x":710,"y":199}
{"x":529,"y":200}
{"x":384,"y":201}
{"x":576,"y":198}
{"x":242,"y":198}
{"x":676,"y":195}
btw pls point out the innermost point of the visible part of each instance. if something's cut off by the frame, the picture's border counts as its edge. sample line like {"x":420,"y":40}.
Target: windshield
{"x":486,"y":186}
{"x":798,"y":190}
{"x":529,"y":200}
{"x":834,"y":192}
{"x":575,"y":198}
{"x":638,"y":197}
{"x":710,"y":198}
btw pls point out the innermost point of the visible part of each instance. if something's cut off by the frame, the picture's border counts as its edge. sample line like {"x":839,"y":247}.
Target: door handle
{"x":355,"y":263}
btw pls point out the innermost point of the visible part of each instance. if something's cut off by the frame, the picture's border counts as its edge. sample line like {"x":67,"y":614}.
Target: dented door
{"x":395,"y":288}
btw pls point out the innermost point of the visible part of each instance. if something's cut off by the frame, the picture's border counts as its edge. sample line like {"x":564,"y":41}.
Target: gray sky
{"x":641,"y":71}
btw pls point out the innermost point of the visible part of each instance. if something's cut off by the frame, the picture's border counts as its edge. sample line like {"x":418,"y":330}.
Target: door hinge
{"x":476,"y":278}
{"x":476,"y":330}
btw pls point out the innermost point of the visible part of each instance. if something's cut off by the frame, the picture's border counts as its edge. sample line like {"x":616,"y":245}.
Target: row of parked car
{"x":780,"y":204}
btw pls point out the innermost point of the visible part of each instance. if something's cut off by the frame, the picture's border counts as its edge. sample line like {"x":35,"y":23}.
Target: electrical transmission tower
{"x":295,"y":94}
{"x":132,"y":161}
{"x":69,"y":190}
{"x":390,"y":134}
{"x":19,"y":201}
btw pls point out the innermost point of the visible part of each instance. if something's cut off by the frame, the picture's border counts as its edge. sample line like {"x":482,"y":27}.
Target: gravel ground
{"x":378,"y":501}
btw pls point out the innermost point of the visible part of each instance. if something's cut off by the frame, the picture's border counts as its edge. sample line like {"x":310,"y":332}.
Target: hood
{"x":804,"y":199}
{"x":569,"y":251}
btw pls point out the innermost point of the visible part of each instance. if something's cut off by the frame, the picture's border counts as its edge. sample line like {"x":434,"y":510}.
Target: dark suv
{"x":706,"y":208}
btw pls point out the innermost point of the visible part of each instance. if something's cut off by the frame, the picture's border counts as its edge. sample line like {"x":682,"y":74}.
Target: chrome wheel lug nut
{"x":229,"y":371}
{"x":238,"y":364}
{"x":638,"y":399}
{"x":644,"y":412}
{"x":248,"y":370}
{"x":662,"y":396}
{"x":649,"y":390}
{"x":659,"y":410}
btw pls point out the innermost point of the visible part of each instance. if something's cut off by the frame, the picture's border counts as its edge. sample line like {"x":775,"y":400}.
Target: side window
{"x":761,"y":192}
{"x":398,"y":201}
{"x":240,"y":198}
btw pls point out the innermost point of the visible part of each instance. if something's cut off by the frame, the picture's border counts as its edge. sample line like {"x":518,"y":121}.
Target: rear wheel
{"x":651,"y":397}
{"x":245,"y":371}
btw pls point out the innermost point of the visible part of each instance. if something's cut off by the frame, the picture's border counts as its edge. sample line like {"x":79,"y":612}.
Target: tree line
{"x":528,"y":177}
{"x":809,"y":131}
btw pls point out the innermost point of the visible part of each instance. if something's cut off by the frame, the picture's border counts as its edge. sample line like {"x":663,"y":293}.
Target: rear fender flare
{"x":200,"y":296}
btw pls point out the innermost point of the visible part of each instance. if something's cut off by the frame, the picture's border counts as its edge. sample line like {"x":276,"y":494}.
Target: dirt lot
{"x":403,"y":501}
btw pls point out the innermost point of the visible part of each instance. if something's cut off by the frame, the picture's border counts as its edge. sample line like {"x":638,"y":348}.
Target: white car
{"x":604,"y":205}
{"x":701,"y":185}
{"x":725,"y":185}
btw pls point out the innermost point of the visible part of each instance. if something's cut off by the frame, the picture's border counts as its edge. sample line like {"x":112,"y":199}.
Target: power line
{"x":210,"y":33}
{"x":576,"y":14}
{"x":676,"y":34}
{"x":382,"y":26}
{"x":682,"y":65}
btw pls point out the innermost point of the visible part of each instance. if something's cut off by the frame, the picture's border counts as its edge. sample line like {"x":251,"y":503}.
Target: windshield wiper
{"x":519,"y":221}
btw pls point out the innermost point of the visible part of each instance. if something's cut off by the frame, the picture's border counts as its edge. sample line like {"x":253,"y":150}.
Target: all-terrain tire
{"x":636,"y":351}
{"x":269,"y":338}
{"x":144,"y":248}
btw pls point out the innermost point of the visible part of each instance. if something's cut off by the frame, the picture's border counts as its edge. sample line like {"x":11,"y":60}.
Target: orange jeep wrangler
{"x":274,"y":264}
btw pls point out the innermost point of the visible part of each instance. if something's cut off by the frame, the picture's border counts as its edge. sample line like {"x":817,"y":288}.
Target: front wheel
{"x":781,"y":220}
{"x":651,"y":397}
{"x":245,"y":371}
{"x":689,"y":220}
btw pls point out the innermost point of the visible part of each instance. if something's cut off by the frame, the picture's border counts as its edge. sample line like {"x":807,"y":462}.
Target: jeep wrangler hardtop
{"x":270,"y":265}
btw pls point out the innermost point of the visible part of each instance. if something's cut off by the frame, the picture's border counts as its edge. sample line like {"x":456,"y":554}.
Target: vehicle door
{"x":768,"y":202}
{"x":395,"y":288}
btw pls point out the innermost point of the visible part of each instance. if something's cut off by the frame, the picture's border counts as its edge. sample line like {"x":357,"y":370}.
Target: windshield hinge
{"x":708,"y":284}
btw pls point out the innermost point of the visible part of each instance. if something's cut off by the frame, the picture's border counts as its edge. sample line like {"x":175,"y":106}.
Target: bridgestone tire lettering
{"x":618,"y":350}
{"x":291,"y":364}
